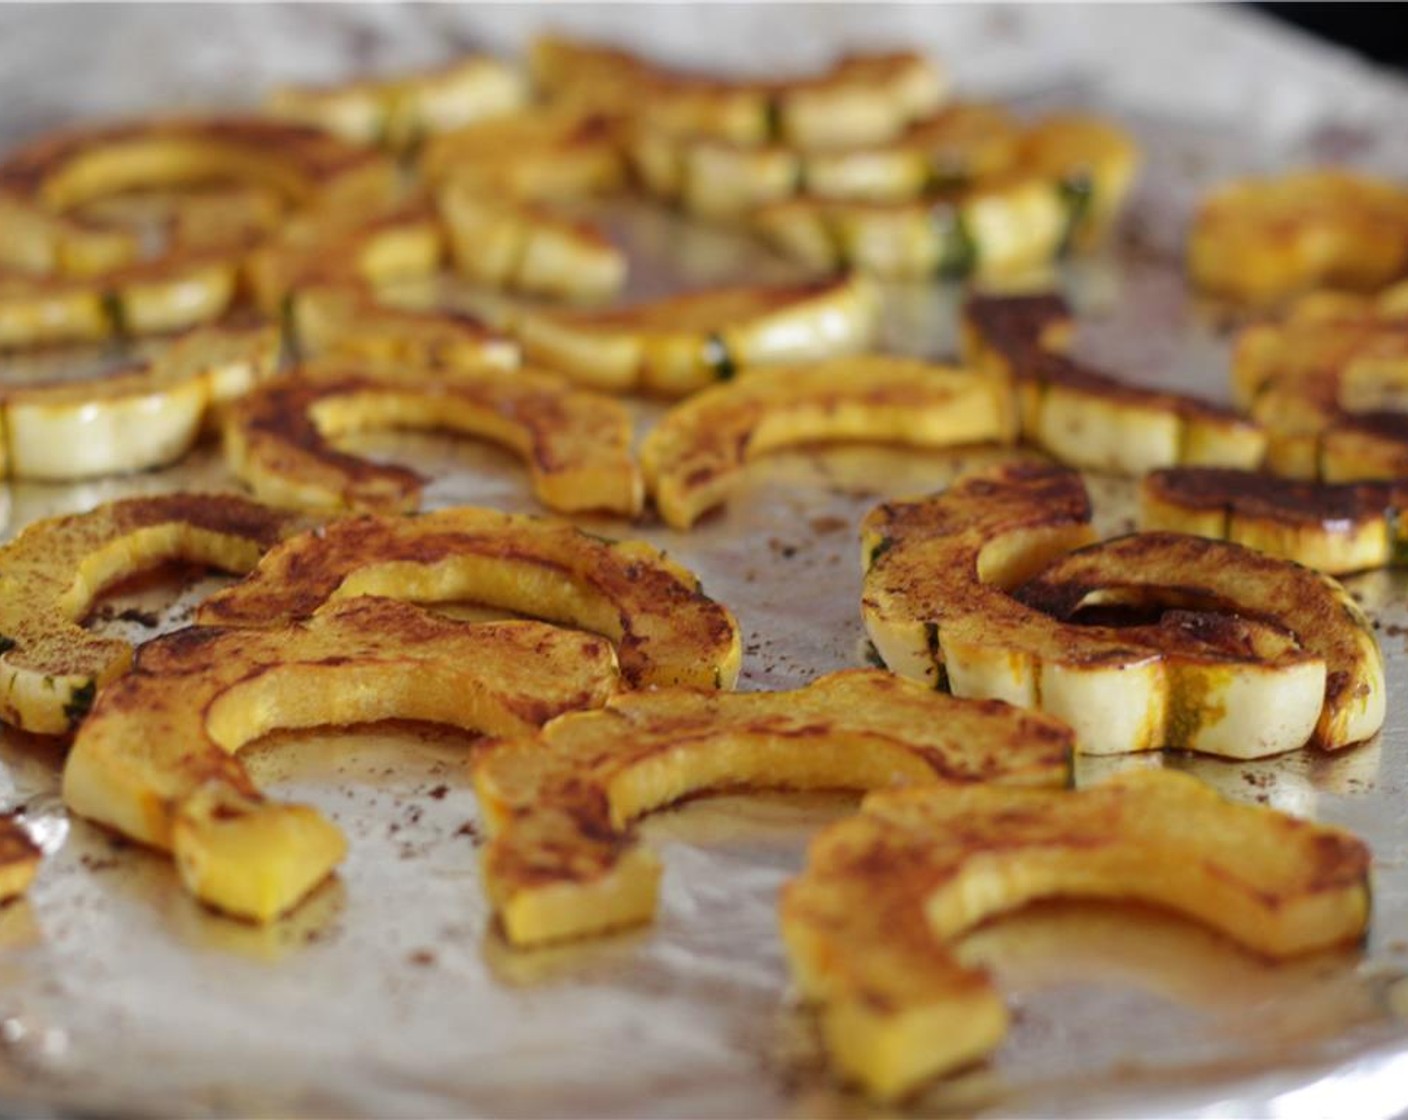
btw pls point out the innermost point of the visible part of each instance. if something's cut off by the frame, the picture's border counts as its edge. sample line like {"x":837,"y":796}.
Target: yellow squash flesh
{"x":665,"y":629}
{"x":561,"y":862}
{"x":155,"y":759}
{"x":53,"y":572}
{"x":870,"y":925}
{"x":694,"y":455}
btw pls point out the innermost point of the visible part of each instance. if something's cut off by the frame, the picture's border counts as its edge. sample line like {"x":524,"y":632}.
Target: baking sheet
{"x":389,"y":992}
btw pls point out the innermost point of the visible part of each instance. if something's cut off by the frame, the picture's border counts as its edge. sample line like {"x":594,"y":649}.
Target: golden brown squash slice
{"x":1085,"y":417}
{"x":1284,"y":654}
{"x":19,"y":859}
{"x":544,"y":154}
{"x":673,"y":347}
{"x":1259,"y":240}
{"x":869,"y":925}
{"x":665,"y":629}
{"x":144,"y":415}
{"x":576,"y":444}
{"x":155,"y":757}
{"x":1335,"y":528}
{"x":561,"y":862}
{"x":401,"y":111}
{"x":56,"y":256}
{"x":503,"y":243}
{"x":51,"y":574}
{"x":695,"y":454}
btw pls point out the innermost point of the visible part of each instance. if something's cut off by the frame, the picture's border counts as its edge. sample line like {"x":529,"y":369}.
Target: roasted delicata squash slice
{"x":1328,"y":382}
{"x":694,"y":455}
{"x":155,"y":761}
{"x":543,"y":154}
{"x":1230,"y":652}
{"x":561,"y":861}
{"x":503,"y":243}
{"x":665,"y":629}
{"x":144,"y":415}
{"x":675,"y":346}
{"x":1334,"y":528}
{"x":716,"y":179}
{"x":1259,"y":240}
{"x":53,"y":572}
{"x":399,"y":112}
{"x":1062,"y":190}
{"x":861,"y":99}
{"x":870,"y":925}
{"x":350,"y":324}
{"x":55,"y":257}
{"x":576,"y":444}
{"x":1088,"y":418}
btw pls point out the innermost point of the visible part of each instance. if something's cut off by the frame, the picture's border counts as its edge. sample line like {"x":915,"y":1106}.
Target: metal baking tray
{"x":390,"y":992}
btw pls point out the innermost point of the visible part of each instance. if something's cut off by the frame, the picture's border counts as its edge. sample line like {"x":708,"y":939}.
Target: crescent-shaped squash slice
{"x":51,"y":574}
{"x":1085,"y":417}
{"x":561,"y":861}
{"x":576,"y":443}
{"x":665,"y":629}
{"x":1259,"y":240}
{"x":673,"y":347}
{"x":1285,"y":654}
{"x":1335,"y":528}
{"x":546,"y":154}
{"x":346,"y":323}
{"x":1152,"y":568}
{"x":1330,"y":382}
{"x":504,"y":243}
{"x":716,"y":179}
{"x":870,"y":924}
{"x":144,"y":415}
{"x":62,"y":262}
{"x":695,"y":454}
{"x":155,"y":757}
{"x":399,"y":112}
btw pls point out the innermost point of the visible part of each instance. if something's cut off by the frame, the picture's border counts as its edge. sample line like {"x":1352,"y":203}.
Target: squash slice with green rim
{"x":1227,"y":651}
{"x":694,"y":455}
{"x":678,"y":345}
{"x":155,"y":759}
{"x":870,"y":925}
{"x":665,"y":629}
{"x":53,"y":572}
{"x":561,"y":861}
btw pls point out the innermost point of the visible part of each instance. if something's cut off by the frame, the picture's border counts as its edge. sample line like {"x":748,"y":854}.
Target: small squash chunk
{"x":145,"y":415}
{"x":695,"y":454}
{"x":155,"y":760}
{"x":676,"y":346}
{"x":1088,"y":418}
{"x":545,"y":154}
{"x":561,"y":861}
{"x":53,"y":572}
{"x":401,"y":111}
{"x":665,"y":629}
{"x":520,"y":246}
{"x":1257,"y":241}
{"x":1336,"y":528}
{"x":576,"y":444}
{"x":1241,"y":655}
{"x":870,"y":925}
